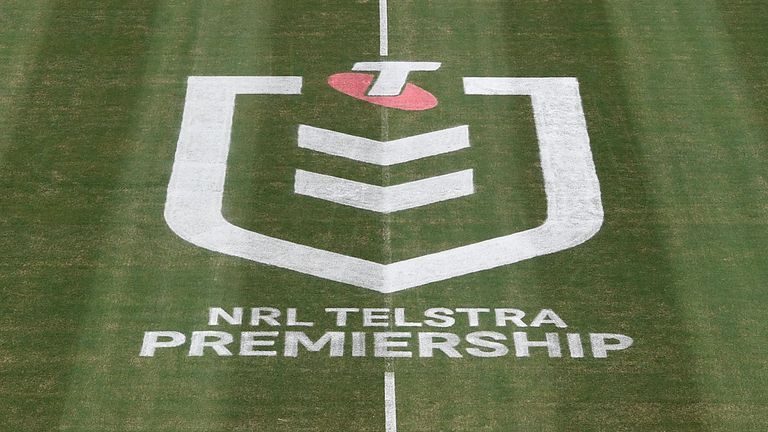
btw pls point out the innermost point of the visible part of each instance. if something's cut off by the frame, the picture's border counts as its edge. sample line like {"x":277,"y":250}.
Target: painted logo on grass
{"x":195,"y":191}
{"x":391,"y":89}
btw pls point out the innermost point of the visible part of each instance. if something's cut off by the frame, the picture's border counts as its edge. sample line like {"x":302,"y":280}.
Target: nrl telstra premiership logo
{"x":193,"y":207}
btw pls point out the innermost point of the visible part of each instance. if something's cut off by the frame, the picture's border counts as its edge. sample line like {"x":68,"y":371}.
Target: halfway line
{"x":390,"y":405}
{"x":383,"y":31}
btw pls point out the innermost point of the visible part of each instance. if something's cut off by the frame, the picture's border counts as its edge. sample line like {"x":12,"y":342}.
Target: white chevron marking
{"x":384,"y":153}
{"x":382,"y":199}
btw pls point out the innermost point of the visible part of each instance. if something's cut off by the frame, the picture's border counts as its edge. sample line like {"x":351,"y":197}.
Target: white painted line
{"x":384,"y":153}
{"x":390,"y":402}
{"x":383,"y":29}
{"x":382,"y":199}
{"x":196,"y":188}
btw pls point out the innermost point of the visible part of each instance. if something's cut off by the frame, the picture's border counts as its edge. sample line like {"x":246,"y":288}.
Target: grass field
{"x":675,"y":96}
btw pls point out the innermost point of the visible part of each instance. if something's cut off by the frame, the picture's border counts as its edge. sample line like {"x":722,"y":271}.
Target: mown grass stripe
{"x":58,"y":186}
{"x":111,"y":387}
{"x":20,"y":22}
{"x":699,"y":129}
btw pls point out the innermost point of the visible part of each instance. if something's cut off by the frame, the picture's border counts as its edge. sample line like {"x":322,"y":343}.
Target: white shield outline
{"x":196,"y":187}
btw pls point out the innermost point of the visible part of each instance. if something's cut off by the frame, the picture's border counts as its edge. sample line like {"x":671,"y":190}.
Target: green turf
{"x":91,"y":96}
